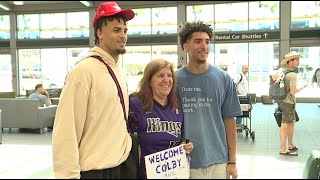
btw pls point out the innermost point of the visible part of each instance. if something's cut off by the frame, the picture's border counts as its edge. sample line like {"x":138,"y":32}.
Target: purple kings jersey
{"x":157,"y":130}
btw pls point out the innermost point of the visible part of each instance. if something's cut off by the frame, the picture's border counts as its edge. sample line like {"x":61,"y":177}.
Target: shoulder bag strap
{"x":117,"y":84}
{"x":239,"y":80}
{"x":285,"y":73}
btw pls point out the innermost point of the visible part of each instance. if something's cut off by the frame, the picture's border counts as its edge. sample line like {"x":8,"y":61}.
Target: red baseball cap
{"x":112,"y":8}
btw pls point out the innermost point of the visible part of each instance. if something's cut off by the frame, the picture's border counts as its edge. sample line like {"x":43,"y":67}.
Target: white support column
{"x":285,"y":23}
{"x":13,"y":52}
{"x":92,"y":13}
{"x":181,"y":11}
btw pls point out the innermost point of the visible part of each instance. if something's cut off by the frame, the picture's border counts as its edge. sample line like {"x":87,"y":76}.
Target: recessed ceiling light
{"x":18,"y":2}
{"x":4,"y":7}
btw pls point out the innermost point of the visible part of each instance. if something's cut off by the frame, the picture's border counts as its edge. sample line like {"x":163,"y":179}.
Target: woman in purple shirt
{"x":155,"y":112}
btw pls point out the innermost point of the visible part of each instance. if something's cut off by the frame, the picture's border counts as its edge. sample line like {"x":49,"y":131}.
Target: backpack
{"x":277,"y":89}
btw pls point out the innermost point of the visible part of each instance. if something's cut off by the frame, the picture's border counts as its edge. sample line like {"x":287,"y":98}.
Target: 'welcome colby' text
{"x":163,"y":157}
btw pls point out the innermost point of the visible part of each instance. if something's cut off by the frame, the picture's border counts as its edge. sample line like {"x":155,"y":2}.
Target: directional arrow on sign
{"x":265,"y":35}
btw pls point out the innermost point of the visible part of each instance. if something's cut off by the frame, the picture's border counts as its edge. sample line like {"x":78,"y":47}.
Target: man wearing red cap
{"x":90,"y":138}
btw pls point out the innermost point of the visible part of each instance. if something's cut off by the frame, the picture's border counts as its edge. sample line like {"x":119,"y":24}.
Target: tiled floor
{"x":27,"y":155}
{"x":260,"y":158}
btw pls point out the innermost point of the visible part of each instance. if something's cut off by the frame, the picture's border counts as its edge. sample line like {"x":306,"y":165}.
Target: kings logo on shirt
{"x":155,"y":125}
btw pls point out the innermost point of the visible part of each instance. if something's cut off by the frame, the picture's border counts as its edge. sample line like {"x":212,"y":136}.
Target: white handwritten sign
{"x":168,"y":164}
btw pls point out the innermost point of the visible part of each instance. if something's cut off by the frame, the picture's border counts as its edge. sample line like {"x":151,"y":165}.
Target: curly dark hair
{"x":105,"y":19}
{"x":190,"y":27}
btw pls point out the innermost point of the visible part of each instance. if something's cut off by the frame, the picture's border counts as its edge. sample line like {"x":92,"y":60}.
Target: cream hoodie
{"x":89,"y":131}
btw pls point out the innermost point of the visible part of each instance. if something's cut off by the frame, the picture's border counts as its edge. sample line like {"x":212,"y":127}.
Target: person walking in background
{"x":210,"y":103}
{"x":287,"y":105}
{"x":90,"y":137}
{"x":41,"y":94}
{"x":155,"y":105}
{"x":316,"y":77}
{"x":242,"y":86}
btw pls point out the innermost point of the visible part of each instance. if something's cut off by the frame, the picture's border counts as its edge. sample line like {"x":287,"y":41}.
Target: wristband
{"x":232,"y":162}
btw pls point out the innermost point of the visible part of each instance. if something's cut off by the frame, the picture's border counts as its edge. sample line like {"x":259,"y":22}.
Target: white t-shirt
{"x":242,"y":86}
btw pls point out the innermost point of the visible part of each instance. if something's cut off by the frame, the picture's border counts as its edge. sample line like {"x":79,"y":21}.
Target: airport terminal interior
{"x":40,"y":41}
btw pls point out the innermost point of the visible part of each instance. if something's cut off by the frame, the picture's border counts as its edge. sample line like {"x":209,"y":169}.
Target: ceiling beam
{"x":6,"y":6}
{"x":87,"y":3}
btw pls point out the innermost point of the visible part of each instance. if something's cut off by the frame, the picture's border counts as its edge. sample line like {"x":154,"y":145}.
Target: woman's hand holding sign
{"x":188,"y":146}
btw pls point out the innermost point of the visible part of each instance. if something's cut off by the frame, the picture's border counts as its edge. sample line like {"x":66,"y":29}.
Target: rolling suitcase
{"x":312,"y":168}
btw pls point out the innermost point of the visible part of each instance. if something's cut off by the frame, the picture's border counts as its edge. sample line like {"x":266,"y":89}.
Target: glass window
{"x":230,"y":57}
{"x":200,"y":13}
{"x":167,"y":52}
{"x":75,"y":54}
{"x":261,"y":63}
{"x":137,"y":57}
{"x":228,"y":18}
{"x":4,"y":27}
{"x":211,"y":54}
{"x":306,"y":70}
{"x":54,"y":68}
{"x":260,"y":60}
{"x":141,"y":23}
{"x":29,"y":69}
{"x":28,"y":26}
{"x":40,"y":66}
{"x":276,"y":51}
{"x":53,"y":25}
{"x":305,"y":14}
{"x":161,"y":24}
{"x":301,"y":50}
{"x":5,"y":73}
{"x":78,"y":24}
{"x":134,"y":61}
{"x":264,"y":15}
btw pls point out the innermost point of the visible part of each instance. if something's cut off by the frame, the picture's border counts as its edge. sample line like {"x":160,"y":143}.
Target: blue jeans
{"x":238,"y":120}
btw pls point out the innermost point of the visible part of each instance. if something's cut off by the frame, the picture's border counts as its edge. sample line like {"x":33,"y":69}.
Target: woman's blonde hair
{"x":144,"y":90}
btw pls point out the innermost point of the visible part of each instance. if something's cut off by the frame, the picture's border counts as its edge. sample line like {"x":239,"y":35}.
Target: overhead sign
{"x":168,"y":164}
{"x":305,"y":33}
{"x":246,"y":36}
